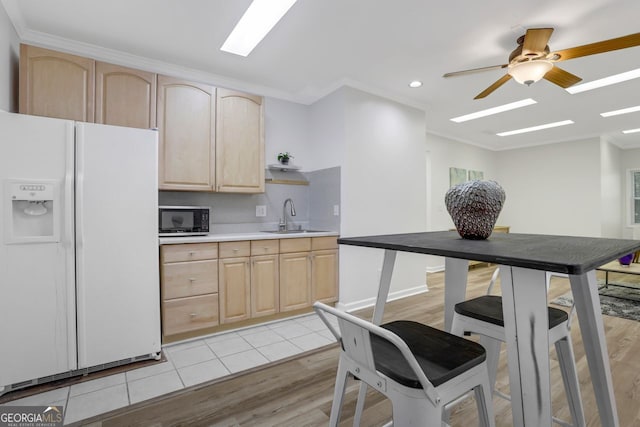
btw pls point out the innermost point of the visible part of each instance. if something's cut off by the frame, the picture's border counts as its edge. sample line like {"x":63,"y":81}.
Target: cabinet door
{"x":186,"y":118}
{"x":324,"y":276}
{"x":189,"y":314}
{"x":264,"y":285}
{"x":295,"y":281}
{"x":234,"y":289}
{"x":185,"y":279}
{"x":239,"y":142}
{"x":56,"y":84}
{"x":125,"y":97}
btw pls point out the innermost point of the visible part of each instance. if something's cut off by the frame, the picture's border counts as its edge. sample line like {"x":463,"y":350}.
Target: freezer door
{"x":37,"y":293}
{"x":118,"y":301}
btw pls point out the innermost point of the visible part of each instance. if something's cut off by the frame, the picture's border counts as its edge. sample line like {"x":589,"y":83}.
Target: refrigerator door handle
{"x":68,"y":244}
{"x":79,"y":230}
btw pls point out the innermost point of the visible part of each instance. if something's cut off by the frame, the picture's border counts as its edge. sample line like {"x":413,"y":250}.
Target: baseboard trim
{"x":370,"y":302}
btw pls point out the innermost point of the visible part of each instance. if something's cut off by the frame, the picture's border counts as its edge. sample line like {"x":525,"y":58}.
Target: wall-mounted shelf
{"x":286,"y":181}
{"x":284,"y":168}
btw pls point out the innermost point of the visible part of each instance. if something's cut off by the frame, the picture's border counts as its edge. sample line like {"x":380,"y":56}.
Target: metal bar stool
{"x":418,"y":368}
{"x":483,"y":316}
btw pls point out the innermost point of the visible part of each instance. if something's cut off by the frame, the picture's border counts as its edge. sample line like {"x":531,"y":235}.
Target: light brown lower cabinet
{"x":295,"y":281}
{"x":265,"y":277}
{"x":235,"y":289}
{"x":189,"y":287}
{"x":189,"y":314}
{"x":324,"y":276}
{"x":209,"y":284}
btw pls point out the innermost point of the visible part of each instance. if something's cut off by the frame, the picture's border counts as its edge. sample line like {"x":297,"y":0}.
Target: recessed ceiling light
{"x":257,"y":21}
{"x":535,"y":128}
{"x":494,"y":110}
{"x":611,"y":80}
{"x":631,"y":131}
{"x":622,"y":111}
{"x":415,"y":83}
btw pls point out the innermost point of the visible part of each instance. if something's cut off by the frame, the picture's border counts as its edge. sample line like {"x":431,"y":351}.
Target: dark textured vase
{"x":474,"y":207}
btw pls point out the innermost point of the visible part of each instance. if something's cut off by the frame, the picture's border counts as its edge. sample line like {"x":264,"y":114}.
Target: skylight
{"x":611,"y":80}
{"x":535,"y":128}
{"x":622,"y":111}
{"x":255,"y":24}
{"x":494,"y":110}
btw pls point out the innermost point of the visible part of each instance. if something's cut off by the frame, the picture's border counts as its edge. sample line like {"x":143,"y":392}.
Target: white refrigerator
{"x":79,"y":284}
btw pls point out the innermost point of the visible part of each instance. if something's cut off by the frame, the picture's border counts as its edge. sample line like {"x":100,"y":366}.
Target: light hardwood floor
{"x":299,"y":392}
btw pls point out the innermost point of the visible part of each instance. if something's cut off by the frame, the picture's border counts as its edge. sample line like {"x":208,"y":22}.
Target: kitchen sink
{"x":294,"y":231}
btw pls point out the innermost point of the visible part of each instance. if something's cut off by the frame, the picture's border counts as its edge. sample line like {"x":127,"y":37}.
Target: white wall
{"x":612,"y":187}
{"x":630,"y":160}
{"x":327,"y":131}
{"x":383,"y":191}
{"x":287,"y":129}
{"x":553,"y":189}
{"x":9,"y":54}
{"x":445,"y":153}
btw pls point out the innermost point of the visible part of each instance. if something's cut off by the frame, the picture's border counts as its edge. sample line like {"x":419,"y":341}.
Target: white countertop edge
{"x":233,"y":237}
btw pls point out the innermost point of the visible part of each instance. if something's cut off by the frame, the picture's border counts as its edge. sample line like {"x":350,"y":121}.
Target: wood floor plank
{"x":299,"y":392}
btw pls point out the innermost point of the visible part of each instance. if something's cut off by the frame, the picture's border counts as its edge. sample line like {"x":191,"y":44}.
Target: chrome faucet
{"x":283,"y":222}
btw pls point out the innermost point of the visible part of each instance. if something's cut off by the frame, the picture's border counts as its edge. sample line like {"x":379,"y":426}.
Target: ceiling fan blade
{"x":562,"y":78}
{"x":474,"y":70}
{"x":599,"y":47}
{"x":494,"y":86}
{"x":535,"y":40}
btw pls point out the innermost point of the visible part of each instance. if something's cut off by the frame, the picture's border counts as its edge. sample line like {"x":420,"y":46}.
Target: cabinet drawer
{"x":189,"y":252}
{"x":235,"y":249}
{"x":264,"y":247}
{"x":301,"y":244}
{"x":189,"y":314}
{"x":320,"y":243}
{"x":185,"y":279}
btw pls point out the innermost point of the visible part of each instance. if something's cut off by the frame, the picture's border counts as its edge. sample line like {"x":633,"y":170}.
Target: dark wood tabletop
{"x":561,"y":254}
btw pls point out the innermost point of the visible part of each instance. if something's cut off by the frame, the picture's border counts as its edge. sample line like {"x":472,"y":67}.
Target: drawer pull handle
{"x":193,"y":315}
{"x":192,"y":279}
{"x":191,"y":253}
{"x":236,"y":250}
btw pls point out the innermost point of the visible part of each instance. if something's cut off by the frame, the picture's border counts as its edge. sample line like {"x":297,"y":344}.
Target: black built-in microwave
{"x":183,"y":220}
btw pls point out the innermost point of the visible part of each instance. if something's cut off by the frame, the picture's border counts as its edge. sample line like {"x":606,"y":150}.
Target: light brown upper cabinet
{"x":239,"y":142}
{"x":56,"y":84}
{"x":125,"y":96}
{"x":186,"y":121}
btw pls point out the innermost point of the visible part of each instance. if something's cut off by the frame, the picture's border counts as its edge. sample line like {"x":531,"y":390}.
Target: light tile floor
{"x":188,"y":363}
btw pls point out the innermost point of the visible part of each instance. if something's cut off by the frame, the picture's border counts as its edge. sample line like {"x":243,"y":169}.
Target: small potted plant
{"x":284,"y":157}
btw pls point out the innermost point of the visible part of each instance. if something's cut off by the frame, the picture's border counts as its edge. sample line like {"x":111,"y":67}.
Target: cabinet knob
{"x":193,"y":315}
{"x":236,"y":250}
{"x":191,"y":253}
{"x":192,"y":279}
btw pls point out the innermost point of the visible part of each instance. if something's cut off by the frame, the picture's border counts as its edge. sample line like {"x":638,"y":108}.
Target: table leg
{"x":585,"y":295}
{"x":385,"y":284}
{"x":455,"y":286}
{"x":378,"y":313}
{"x":524,"y":303}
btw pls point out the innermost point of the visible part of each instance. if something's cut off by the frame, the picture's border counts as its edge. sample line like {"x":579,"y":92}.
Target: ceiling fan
{"x":532,"y":60}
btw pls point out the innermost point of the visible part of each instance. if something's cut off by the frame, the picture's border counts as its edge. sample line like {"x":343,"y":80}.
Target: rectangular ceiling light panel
{"x":611,"y":80}
{"x":631,"y":131}
{"x":535,"y":128}
{"x":494,"y":110}
{"x":255,"y":24}
{"x":622,"y":111}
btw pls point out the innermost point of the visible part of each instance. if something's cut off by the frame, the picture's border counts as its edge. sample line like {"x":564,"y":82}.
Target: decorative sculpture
{"x":474,"y":207}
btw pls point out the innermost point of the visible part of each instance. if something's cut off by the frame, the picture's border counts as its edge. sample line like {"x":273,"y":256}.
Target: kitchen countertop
{"x":232,"y":237}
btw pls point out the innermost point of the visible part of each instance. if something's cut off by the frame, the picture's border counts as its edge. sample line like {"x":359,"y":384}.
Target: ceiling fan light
{"x":530,"y":71}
